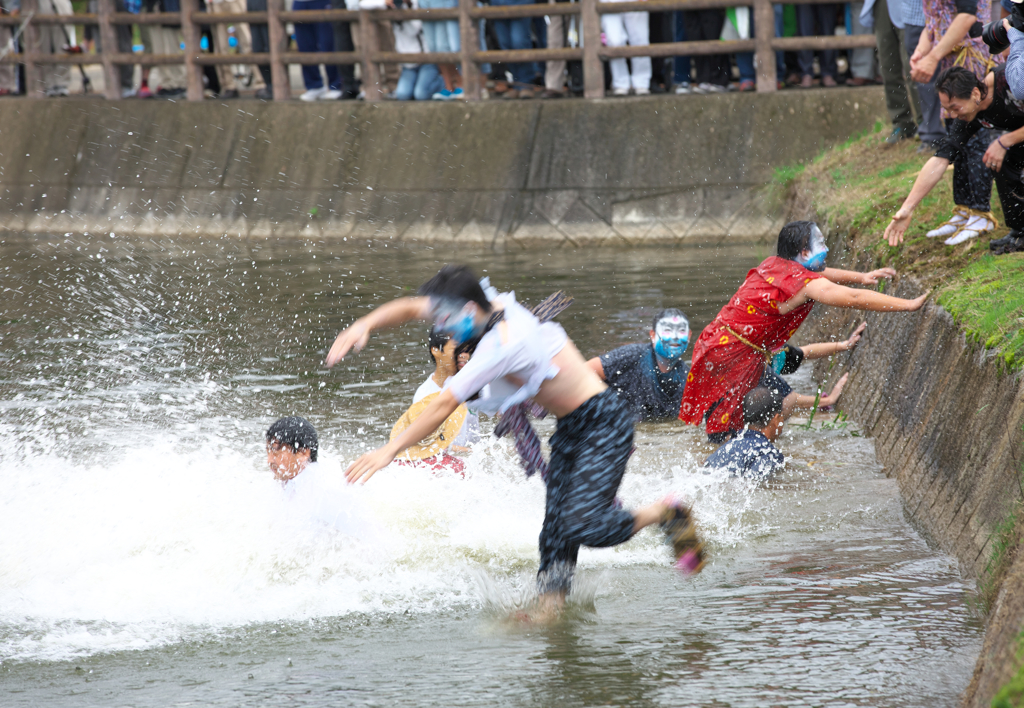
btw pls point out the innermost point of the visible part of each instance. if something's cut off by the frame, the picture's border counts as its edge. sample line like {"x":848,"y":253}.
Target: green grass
{"x":1011,"y":694}
{"x":987,"y":300}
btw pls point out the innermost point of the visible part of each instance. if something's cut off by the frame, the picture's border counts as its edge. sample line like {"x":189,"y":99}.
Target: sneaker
{"x":351,"y":95}
{"x":683,"y":89}
{"x":976,"y":226}
{"x":900,"y":133}
{"x":330,"y":95}
{"x":442,"y":95}
{"x":265,"y":94}
{"x":552,"y":93}
{"x":807,"y":81}
{"x":511,"y":94}
{"x":681,"y":534}
{"x":620,"y":92}
{"x":747,"y":85}
{"x":949,"y":228}
{"x":1015,"y":245}
{"x":313,"y":94}
{"x":460,"y":95}
{"x":127,"y":93}
{"x":526,"y":93}
{"x":230,"y":93}
{"x":144,"y":92}
{"x":998,"y":243}
{"x":710,"y":88}
{"x":57,"y":92}
{"x":170,"y":92}
{"x":642,"y":91}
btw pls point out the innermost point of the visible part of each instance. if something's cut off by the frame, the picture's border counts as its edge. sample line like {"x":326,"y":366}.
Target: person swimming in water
{"x":734,"y":352}
{"x":752,"y":453}
{"x":518,"y":358}
{"x":292,"y":446}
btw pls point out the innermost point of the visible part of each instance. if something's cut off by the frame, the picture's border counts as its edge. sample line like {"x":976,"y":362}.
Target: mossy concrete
{"x":647,"y":169}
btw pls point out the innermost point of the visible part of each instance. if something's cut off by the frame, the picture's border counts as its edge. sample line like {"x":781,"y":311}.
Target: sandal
{"x":681,"y":534}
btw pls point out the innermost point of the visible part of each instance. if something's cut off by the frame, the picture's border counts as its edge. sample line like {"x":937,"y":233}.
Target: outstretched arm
{"x":427,"y":422}
{"x":828,"y":293}
{"x":927,"y":178}
{"x":799,"y":400}
{"x":823,"y":349}
{"x":854,"y":277}
{"x":394,"y":313}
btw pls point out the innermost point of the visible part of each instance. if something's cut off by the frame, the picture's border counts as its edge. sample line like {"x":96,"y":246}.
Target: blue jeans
{"x":441,"y":35}
{"x":681,"y":65}
{"x":515,"y":34}
{"x":419,"y":82}
{"x":745,"y":60}
{"x":316,"y":37}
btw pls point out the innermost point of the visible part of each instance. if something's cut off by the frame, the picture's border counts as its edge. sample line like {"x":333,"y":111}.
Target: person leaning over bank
{"x":975,"y":104}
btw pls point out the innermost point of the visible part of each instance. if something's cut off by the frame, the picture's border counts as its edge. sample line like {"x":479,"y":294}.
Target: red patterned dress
{"x":731,"y":353}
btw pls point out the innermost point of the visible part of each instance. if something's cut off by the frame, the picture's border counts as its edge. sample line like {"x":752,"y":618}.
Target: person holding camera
{"x":975,"y":104}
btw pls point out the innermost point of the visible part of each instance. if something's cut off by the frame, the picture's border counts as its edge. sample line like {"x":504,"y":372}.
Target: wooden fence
{"x":369,"y":57}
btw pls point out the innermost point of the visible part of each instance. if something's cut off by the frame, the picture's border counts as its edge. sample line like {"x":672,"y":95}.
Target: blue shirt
{"x":913,"y":13}
{"x":633,"y":371}
{"x":750,"y":454}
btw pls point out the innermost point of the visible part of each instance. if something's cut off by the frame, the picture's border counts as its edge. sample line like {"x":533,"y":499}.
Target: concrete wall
{"x":497,"y":173}
{"x":946,"y":421}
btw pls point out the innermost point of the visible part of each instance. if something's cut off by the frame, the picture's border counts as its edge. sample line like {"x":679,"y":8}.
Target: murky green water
{"x":147,"y":557}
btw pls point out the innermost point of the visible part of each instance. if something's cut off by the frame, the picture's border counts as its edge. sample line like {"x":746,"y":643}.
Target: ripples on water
{"x":147,"y":556}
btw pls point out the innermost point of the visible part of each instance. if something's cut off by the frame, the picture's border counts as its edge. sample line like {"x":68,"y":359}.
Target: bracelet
{"x":1000,"y":141}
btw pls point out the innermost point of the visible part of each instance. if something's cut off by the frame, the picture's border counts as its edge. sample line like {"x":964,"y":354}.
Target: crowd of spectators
{"x":905,"y":35}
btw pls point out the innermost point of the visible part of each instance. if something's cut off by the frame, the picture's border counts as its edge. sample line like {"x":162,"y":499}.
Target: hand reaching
{"x":897,"y":227}
{"x":837,"y":391}
{"x":356,"y":336}
{"x":854,"y":339}
{"x":366,"y":466}
{"x":874,"y":276}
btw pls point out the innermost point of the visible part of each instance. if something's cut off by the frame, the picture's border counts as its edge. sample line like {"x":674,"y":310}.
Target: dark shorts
{"x":589,"y":451}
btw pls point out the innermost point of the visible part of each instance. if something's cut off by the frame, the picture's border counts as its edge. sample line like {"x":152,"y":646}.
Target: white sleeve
{"x":484,"y":368}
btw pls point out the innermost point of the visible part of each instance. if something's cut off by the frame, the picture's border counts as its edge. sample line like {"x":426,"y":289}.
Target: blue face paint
{"x":816,"y":251}
{"x":670,"y":349}
{"x":672,"y":337}
{"x":455,"y":318}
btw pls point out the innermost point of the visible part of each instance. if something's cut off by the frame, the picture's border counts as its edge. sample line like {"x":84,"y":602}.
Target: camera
{"x":994,"y":34}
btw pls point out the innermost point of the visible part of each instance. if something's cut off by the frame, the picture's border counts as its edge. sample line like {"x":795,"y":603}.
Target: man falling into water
{"x":518,"y":358}
{"x":650,"y":377}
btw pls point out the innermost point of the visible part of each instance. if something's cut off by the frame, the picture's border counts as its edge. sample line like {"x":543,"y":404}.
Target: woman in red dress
{"x":733,"y":353}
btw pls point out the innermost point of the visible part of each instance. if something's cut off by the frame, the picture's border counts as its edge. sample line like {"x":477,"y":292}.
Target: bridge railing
{"x":764,"y":44}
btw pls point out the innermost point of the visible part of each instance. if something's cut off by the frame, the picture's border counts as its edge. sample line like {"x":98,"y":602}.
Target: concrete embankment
{"x":652,"y":169}
{"x":946,"y":417}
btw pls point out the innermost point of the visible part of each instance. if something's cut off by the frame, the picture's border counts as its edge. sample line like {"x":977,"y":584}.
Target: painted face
{"x":454,"y":317}
{"x":671,"y":337}
{"x":813,"y":258}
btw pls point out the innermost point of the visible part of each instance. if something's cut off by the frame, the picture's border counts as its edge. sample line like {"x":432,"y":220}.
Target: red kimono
{"x":725,"y":368}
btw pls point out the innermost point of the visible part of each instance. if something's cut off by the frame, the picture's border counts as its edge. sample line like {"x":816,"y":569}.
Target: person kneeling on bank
{"x":975,"y":104}
{"x":753,"y":453}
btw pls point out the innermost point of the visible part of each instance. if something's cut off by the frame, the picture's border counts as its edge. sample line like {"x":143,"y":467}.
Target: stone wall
{"x":662,"y":168}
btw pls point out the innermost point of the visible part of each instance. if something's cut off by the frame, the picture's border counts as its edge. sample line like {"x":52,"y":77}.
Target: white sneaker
{"x":683,"y":89}
{"x":642,"y":91}
{"x":710,"y":88}
{"x":620,"y":92}
{"x":974,"y":227}
{"x":332,"y":95}
{"x":950,"y":227}
{"x":313,"y":94}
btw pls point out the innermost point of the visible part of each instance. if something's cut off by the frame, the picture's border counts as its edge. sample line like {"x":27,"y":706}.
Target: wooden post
{"x":193,"y":70}
{"x":108,"y":46}
{"x":470,"y":44}
{"x":370,"y":46}
{"x":278,"y":69}
{"x":764,"y":56}
{"x":593,"y":70}
{"x":33,"y":45}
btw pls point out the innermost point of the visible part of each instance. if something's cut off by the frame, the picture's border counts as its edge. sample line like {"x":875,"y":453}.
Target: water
{"x":147,"y":557}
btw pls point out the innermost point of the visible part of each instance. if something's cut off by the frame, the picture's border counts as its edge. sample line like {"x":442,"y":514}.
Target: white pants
{"x":617,"y":29}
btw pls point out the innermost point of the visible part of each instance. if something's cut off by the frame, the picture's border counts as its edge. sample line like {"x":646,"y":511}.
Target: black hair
{"x":760,"y":405}
{"x":436,"y":340}
{"x":458,"y":282}
{"x":794,"y":238}
{"x":295,"y":432}
{"x":667,"y":312}
{"x":794,"y":358}
{"x":958,"y":82}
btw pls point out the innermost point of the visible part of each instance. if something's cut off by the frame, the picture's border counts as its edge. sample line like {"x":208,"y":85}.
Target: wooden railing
{"x":369,"y":57}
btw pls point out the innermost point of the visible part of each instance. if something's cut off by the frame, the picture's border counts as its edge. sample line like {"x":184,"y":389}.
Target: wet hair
{"x":794,"y":238}
{"x":958,"y":82}
{"x":457,"y":282}
{"x":295,"y":432}
{"x":760,"y":405}
{"x":436,"y":340}
{"x":667,"y":312}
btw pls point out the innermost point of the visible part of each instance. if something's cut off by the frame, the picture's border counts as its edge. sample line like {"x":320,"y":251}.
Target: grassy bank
{"x":855,"y":189}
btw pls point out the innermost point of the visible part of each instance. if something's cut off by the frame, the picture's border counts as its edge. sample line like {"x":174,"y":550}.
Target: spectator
{"x":8,"y":72}
{"x":317,"y":37}
{"x":618,"y":27}
{"x":52,"y":40}
{"x":515,"y":34}
{"x":350,"y":85}
{"x":225,"y":74}
{"x":417,"y":81}
{"x":681,"y":65}
{"x":947,"y":23}
{"x":661,"y":31}
{"x":901,"y":100}
{"x":739,"y":24}
{"x":712,"y":69}
{"x":554,"y":72}
{"x":443,"y":36}
{"x":164,"y":39}
{"x":931,"y":129}
{"x":387,"y":72}
{"x":862,"y":61}
{"x":260,"y":35}
{"x":825,"y":17}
